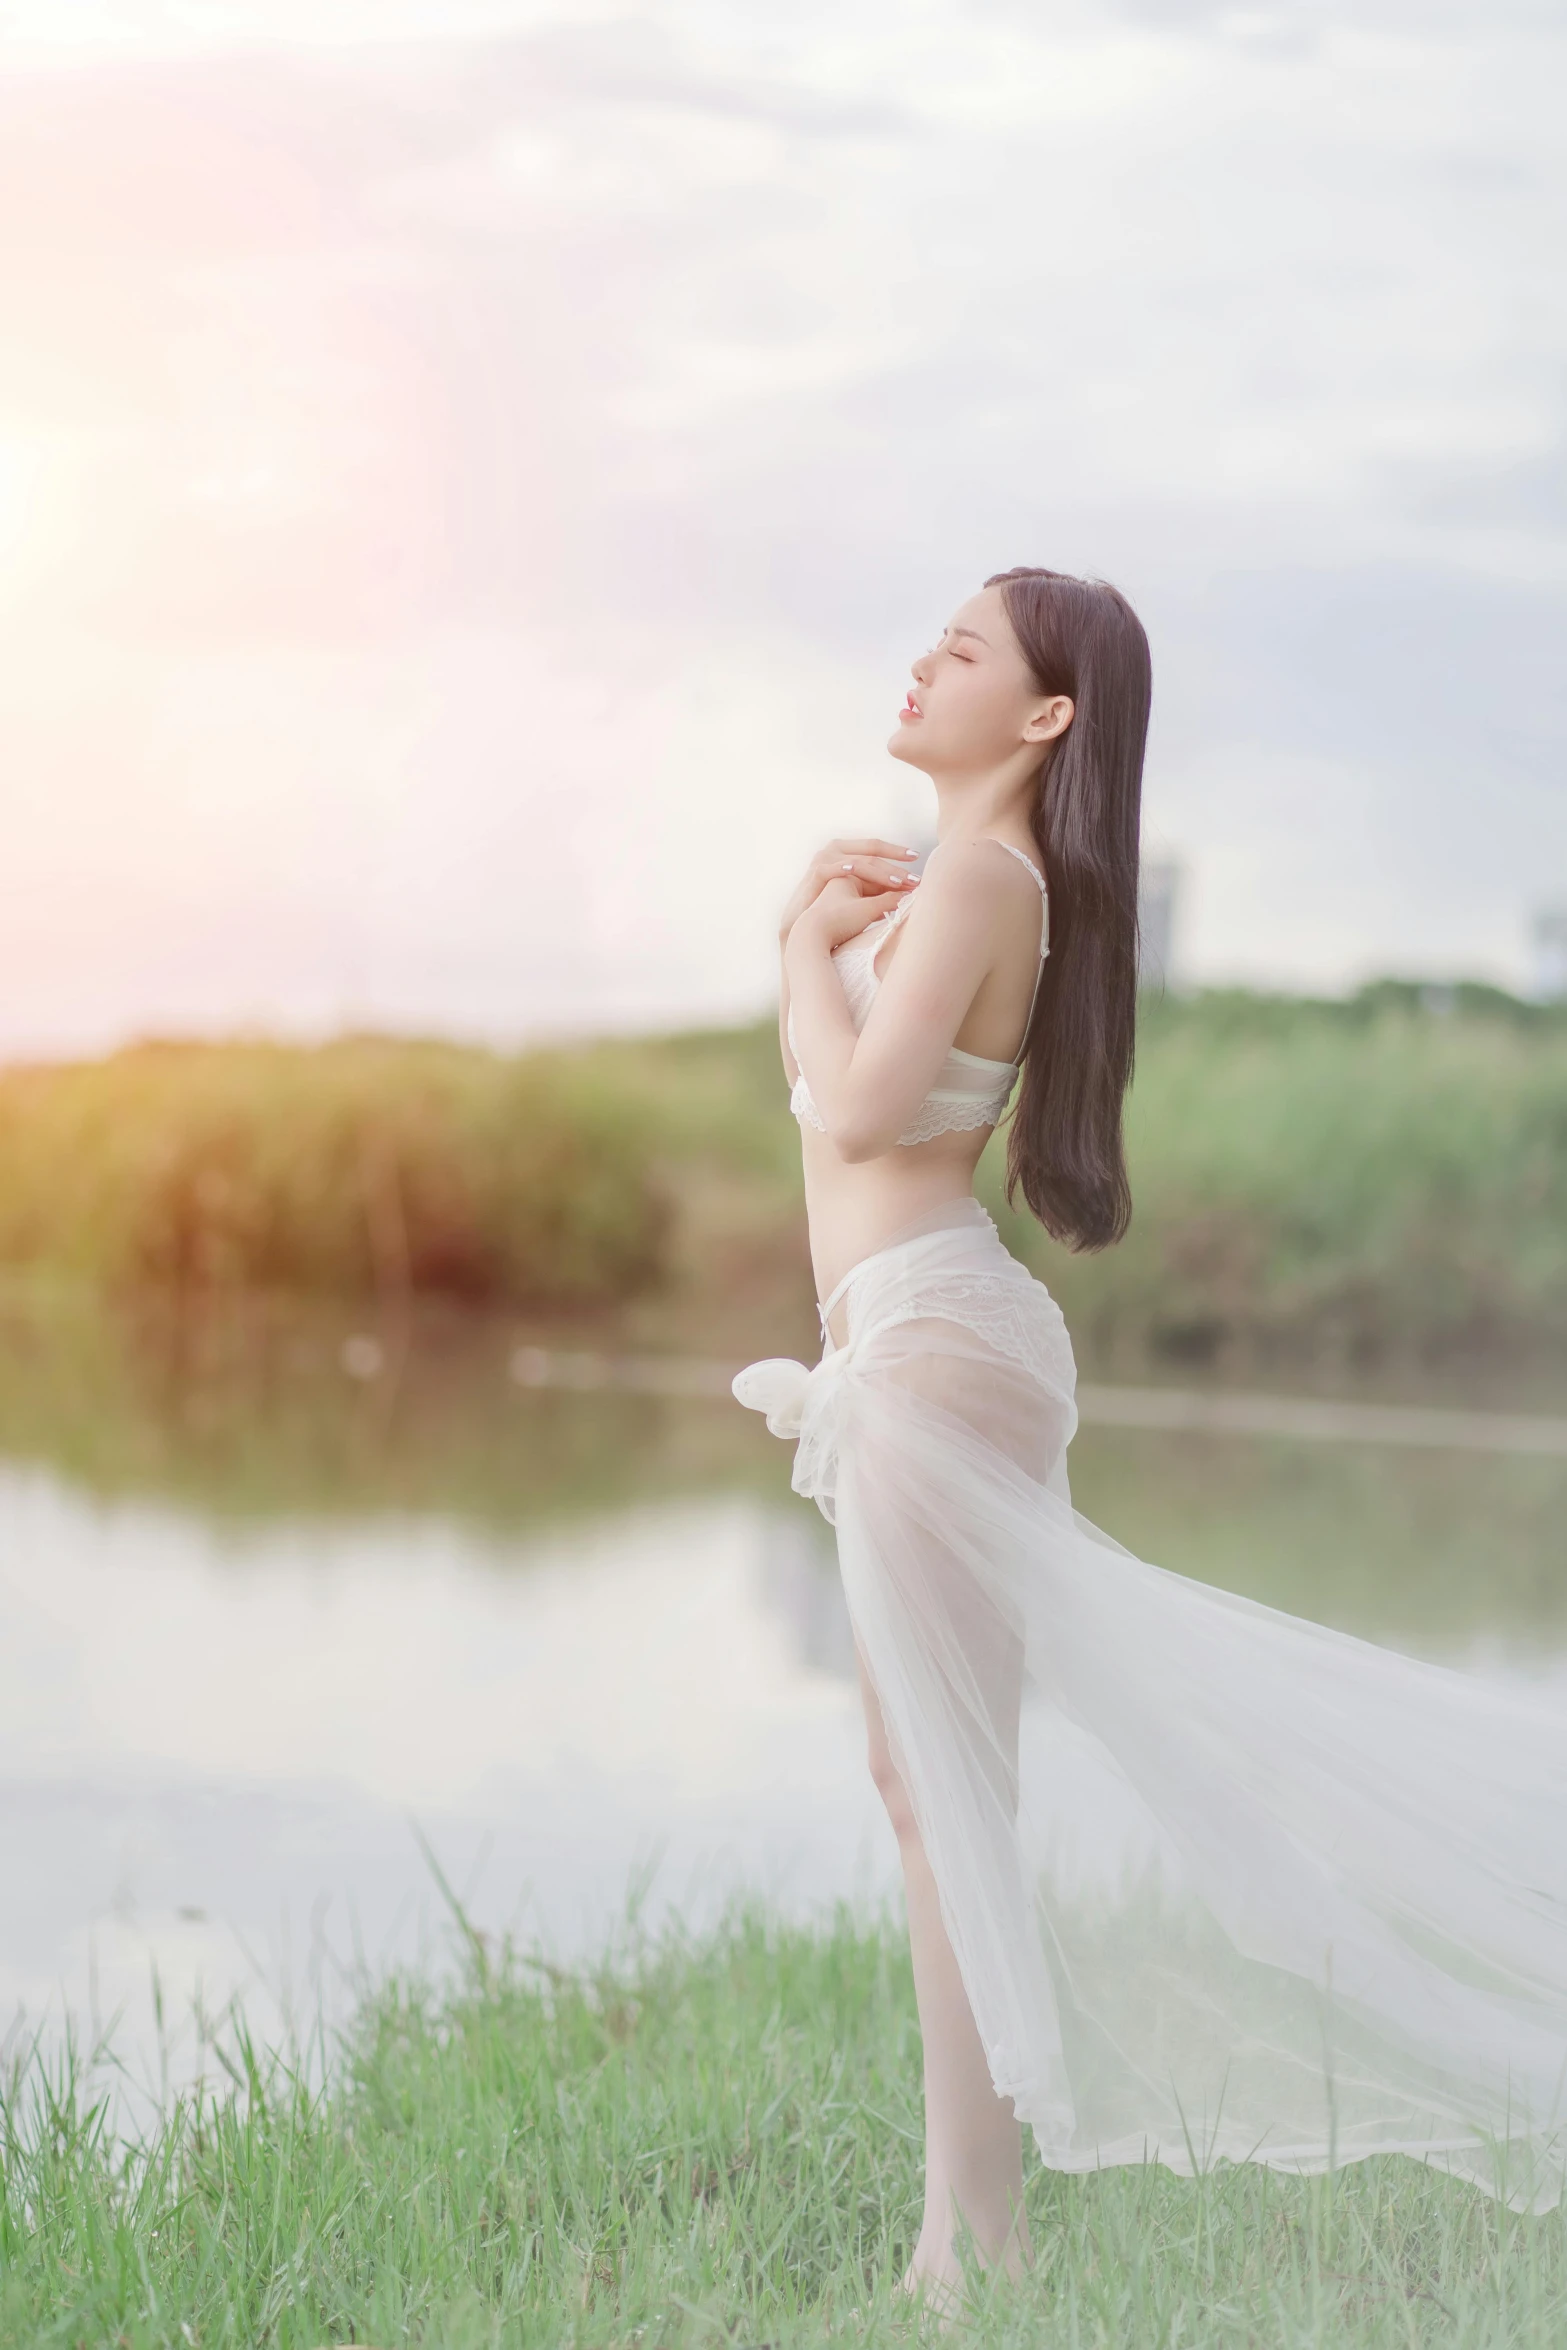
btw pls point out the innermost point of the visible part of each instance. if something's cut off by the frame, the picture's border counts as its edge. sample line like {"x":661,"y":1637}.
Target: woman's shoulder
{"x":983,"y":869}
{"x":973,"y":903}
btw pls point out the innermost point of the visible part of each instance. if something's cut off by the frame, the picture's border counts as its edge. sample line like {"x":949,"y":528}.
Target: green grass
{"x":704,"y":2139}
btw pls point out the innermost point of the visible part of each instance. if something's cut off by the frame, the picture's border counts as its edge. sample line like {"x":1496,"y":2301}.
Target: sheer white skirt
{"x":1221,"y":1883}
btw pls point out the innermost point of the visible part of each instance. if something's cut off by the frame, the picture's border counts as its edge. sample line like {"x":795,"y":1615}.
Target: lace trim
{"x":933,"y":1117}
{"x":804,"y":1107}
{"x":1012,"y":1312}
{"x":938,"y":1117}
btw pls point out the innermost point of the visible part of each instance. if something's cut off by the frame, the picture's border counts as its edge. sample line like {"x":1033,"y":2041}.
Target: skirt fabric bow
{"x":799,"y":1402}
{"x":778,"y":1386}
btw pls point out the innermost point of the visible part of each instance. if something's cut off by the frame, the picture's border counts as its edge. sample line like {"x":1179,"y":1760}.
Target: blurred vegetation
{"x":364,"y":1165}
{"x":1380,"y":1179}
{"x":1364,"y":1194}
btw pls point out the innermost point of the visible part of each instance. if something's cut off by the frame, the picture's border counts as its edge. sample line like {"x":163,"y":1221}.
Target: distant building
{"x":1548,"y":937}
{"x":1158,"y":886}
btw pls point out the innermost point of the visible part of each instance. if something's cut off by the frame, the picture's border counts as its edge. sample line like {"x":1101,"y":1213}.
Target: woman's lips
{"x":910,"y":709}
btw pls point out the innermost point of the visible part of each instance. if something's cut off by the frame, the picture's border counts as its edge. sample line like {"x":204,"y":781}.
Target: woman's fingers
{"x":867,"y":864}
{"x":876,"y":868}
{"x":876,"y":903}
{"x":878,"y":871}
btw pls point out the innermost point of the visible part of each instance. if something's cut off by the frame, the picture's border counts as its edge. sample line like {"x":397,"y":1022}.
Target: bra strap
{"x":1044,"y":928}
{"x":1044,"y":911}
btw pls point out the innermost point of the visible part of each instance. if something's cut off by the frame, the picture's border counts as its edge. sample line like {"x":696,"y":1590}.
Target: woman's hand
{"x":871,"y":865}
{"x":839,"y":912}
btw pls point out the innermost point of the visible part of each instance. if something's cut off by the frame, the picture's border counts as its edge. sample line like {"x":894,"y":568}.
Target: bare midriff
{"x":853,"y":1209}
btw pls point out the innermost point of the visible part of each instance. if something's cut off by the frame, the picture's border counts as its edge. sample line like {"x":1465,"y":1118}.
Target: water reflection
{"x":1442,"y":1553}
{"x":207,"y":1734}
{"x":264,"y":1614}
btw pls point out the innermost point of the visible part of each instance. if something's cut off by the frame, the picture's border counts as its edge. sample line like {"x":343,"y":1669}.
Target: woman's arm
{"x":791,"y":1065}
{"x":872,"y":865}
{"x":868,"y":1087}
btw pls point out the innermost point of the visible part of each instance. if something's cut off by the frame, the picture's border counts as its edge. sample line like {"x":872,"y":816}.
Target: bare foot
{"x":938,"y":2279}
{"x":938,"y":2282}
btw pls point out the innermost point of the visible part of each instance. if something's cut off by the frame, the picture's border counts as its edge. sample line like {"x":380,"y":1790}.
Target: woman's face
{"x":975,"y":703}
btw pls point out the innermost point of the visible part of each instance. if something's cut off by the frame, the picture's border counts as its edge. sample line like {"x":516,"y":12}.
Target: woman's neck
{"x":999,"y":800}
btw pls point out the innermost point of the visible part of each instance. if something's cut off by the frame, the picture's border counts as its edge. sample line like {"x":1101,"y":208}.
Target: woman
{"x":1187,"y":1878}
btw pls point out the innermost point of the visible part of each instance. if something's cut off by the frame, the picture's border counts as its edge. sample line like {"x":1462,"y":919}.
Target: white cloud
{"x":544,"y":435}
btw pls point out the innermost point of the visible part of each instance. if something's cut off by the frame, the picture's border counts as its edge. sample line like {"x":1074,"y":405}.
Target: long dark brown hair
{"x":1064,"y":1144}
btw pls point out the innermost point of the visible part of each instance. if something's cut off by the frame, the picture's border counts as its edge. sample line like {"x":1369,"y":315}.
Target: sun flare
{"x":23,"y":477}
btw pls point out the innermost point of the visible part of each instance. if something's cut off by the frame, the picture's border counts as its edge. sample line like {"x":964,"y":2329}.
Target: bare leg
{"x":973,"y":2140}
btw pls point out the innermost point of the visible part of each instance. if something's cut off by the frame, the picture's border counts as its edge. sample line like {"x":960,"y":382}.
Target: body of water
{"x":292,"y":1632}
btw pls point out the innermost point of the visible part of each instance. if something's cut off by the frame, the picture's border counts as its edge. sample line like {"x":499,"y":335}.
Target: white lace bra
{"x":970,"y":1091}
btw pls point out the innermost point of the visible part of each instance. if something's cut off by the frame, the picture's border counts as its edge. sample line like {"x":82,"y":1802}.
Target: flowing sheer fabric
{"x":1221,"y":1883}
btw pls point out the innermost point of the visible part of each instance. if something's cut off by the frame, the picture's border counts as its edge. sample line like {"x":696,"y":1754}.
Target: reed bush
{"x":360,"y":1166}
{"x":1360,"y":1181}
{"x":1378,"y":1179}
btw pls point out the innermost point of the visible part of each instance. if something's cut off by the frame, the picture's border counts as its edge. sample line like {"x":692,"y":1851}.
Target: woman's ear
{"x":1052,"y":718}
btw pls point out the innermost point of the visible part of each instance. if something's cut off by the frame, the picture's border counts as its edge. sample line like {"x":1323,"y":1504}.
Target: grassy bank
{"x":706,"y":2140}
{"x":1352,"y":1182}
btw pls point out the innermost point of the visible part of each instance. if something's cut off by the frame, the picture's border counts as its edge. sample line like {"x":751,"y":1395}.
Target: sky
{"x":473,"y":478}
